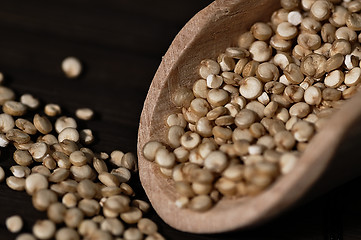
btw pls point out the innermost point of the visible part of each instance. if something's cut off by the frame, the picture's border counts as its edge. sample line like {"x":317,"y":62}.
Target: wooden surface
{"x":121,"y":44}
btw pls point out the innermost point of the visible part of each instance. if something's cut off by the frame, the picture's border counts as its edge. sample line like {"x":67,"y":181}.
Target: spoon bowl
{"x":206,"y":35}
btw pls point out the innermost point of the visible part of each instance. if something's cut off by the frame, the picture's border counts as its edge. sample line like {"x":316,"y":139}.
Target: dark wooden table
{"x":121,"y":44}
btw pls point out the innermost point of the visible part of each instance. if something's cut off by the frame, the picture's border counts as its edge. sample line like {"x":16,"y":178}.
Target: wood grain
{"x":121,"y":44}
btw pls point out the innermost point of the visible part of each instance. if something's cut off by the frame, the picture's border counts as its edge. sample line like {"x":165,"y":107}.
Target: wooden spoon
{"x":206,"y":35}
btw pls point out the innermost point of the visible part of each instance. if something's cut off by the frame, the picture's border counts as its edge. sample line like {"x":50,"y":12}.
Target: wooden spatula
{"x":206,"y":35}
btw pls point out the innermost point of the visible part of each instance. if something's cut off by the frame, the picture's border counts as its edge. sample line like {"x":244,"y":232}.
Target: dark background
{"x":121,"y":44}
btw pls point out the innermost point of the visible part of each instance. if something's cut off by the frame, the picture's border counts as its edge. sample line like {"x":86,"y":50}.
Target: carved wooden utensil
{"x":319,"y":169}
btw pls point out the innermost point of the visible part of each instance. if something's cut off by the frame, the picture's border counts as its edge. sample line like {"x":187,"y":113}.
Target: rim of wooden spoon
{"x":228,"y":214}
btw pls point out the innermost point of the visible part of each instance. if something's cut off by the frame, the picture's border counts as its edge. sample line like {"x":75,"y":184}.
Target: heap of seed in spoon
{"x":256,"y":107}
{"x":85,"y":194}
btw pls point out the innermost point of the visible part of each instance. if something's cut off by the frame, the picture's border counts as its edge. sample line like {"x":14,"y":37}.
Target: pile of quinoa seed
{"x":255,"y":108}
{"x":85,"y":194}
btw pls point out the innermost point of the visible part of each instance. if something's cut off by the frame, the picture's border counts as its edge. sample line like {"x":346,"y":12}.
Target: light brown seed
{"x":217,"y":97}
{"x":66,"y":233}
{"x":42,"y":170}
{"x":208,"y":67}
{"x":309,"y":41}
{"x":70,"y":199}
{"x":132,"y":234}
{"x":260,"y":51}
{"x":250,"y":88}
{"x":90,"y":207}
{"x":35,"y":182}
{"x":340,"y":46}
{"x":203,"y":128}
{"x":150,"y":149}
{"x":25,"y":236}
{"x":71,"y":67}
{"x":313,"y":65}
{"x":6,"y":94}
{"x":73,"y":217}
{"x":44,"y":229}
{"x":112,"y":225}
{"x":142,"y":205}
{"x":70,"y":134}
{"x":38,"y":150}
{"x":353,"y":77}
{"x":109,"y":179}
{"x":261,"y":31}
{"x":116,"y":157}
{"x":14,"y":108}
{"x":293,"y":93}
{"x":288,"y":162}
{"x":6,"y":122}
{"x":176,"y":119}
{"x":280,"y":44}
{"x":266,"y":141}
{"x":236,"y":52}
{"x":56,"y":212}
{"x":133,"y":215}
{"x":2,"y":174}
{"x":310,"y":25}
{"x":17,"y":136}
{"x":123,"y":174}
{"x":302,"y":131}
{"x":245,"y":40}
{"x":293,"y":73}
{"x":64,"y":122}
{"x":42,"y":124}
{"x":338,"y":17}
{"x":245,"y":118}
{"x":86,"y":136}
{"x":43,"y":198}
{"x":225,"y":62}
{"x":26,"y":126}
{"x":49,"y":162}
{"x":321,"y":10}
{"x":216,"y":161}
{"x":286,"y":31}
{"x":200,"y":203}
{"x":87,"y":227}
{"x":334,"y":62}
{"x":200,"y":90}
{"x":22,"y":157}
{"x":127,"y":189}
{"x":334,"y":79}
{"x":313,"y":95}
{"x":84,"y":113}
{"x":353,"y":21}
{"x":78,"y":158}
{"x":249,"y":69}
{"x":15,"y":183}
{"x":256,"y":107}
{"x":284,"y":140}
{"x":87,"y":189}
{"x":14,"y":223}
{"x":226,"y":187}
{"x":147,"y":226}
{"x":52,"y":109}
{"x":82,"y":172}
{"x":300,"y":110}
{"x":331,"y":94}
{"x":241,"y":134}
